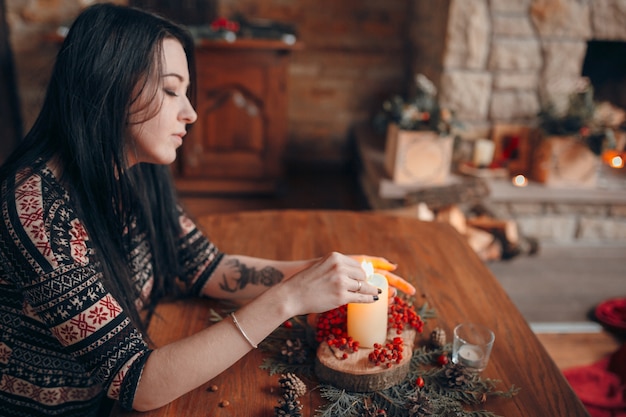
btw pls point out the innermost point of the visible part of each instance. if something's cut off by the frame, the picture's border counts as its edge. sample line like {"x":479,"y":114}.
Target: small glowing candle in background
{"x":483,"y":152}
{"x":617,"y":162}
{"x":367,"y":322}
{"x":613,"y":158}
{"x":520,"y":181}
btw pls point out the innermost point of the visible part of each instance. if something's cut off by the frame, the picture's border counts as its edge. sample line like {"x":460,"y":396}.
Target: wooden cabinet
{"x":238,"y":141}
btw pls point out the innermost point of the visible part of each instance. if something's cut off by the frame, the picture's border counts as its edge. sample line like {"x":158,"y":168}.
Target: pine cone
{"x":288,"y":408}
{"x":292,"y":386}
{"x":458,"y":376}
{"x":294,"y":351}
{"x":438,"y":337}
{"x":419,"y":404}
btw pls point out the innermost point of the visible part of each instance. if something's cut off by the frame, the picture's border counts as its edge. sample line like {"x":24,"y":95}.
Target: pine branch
{"x":274,"y":367}
{"x":426,"y":355}
{"x":340,"y":402}
{"x":425,"y":312}
{"x":445,"y":398}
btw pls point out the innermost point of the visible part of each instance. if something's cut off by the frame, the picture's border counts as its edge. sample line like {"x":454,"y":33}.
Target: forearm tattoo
{"x":267,"y":276}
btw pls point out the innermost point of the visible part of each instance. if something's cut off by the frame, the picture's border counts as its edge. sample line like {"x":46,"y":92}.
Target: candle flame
{"x":617,"y":162}
{"x":614,"y":158}
{"x":368,"y":268}
{"x":520,"y":181}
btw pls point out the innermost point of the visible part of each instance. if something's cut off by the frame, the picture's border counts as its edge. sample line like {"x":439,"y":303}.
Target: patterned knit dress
{"x":66,"y":344}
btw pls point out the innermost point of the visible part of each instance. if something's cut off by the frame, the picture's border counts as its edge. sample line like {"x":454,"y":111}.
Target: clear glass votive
{"x":472,"y":345}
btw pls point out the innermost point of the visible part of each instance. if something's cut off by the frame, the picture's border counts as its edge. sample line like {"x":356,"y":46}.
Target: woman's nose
{"x":189,"y":114}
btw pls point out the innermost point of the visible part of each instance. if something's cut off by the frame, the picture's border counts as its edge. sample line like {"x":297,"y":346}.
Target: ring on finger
{"x":360,"y":284}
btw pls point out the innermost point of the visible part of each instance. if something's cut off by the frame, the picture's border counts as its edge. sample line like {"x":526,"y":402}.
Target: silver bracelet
{"x":245,"y":336}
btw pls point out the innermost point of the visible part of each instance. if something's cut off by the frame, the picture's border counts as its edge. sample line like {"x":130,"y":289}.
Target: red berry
{"x":442,"y":359}
{"x":419,"y":382}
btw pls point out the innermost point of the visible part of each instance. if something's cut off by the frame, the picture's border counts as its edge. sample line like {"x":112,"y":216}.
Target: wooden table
{"x":433,"y":256}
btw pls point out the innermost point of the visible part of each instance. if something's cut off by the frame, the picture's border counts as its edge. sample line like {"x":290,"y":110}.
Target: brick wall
{"x":493,"y":60}
{"x":354,"y":54}
{"x":30,"y":22}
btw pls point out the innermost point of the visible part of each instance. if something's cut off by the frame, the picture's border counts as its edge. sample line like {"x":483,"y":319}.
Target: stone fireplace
{"x":503,"y":60}
{"x":605,"y":65}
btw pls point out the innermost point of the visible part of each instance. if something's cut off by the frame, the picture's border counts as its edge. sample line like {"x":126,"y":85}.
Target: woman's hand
{"x":384,"y":267}
{"x":328,"y":283}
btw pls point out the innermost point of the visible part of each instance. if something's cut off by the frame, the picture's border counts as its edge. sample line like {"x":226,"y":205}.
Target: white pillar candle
{"x":367,"y":322}
{"x":483,"y":152}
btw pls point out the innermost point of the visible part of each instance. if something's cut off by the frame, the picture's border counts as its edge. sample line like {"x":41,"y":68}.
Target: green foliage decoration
{"x":441,"y":399}
{"x":579,"y":120}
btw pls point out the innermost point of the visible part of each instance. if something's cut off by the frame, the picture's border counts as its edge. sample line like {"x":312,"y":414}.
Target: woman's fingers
{"x":393,"y":291}
{"x":384,"y":267}
{"x":336,"y":280}
{"x":359,"y":285}
{"x":342,"y":276}
{"x":359,"y":288}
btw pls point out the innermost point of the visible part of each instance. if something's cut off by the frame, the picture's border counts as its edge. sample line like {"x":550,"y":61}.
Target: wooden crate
{"x":564,"y":161}
{"x":417,"y":157}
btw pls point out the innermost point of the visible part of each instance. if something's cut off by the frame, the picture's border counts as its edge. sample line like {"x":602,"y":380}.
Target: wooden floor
{"x":339,"y":190}
{"x":563,"y":282}
{"x":570,"y":350}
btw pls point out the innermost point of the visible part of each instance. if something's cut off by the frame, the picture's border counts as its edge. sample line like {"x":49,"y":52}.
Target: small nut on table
{"x":224,"y":403}
{"x":213,"y":388}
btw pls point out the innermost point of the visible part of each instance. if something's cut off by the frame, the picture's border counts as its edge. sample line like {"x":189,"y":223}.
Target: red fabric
{"x":612,"y":313}
{"x":599,"y":386}
{"x":617,"y":364}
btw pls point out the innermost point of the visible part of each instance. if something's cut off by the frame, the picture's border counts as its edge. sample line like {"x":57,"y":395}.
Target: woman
{"x":92,"y":237}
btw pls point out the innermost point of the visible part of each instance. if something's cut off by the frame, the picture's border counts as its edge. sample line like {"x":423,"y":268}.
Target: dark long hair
{"x":106,"y":61}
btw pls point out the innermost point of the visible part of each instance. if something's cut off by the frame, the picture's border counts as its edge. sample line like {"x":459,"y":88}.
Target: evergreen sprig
{"x":444,"y":400}
{"x":341,"y":402}
{"x":425,"y":312}
{"x":275,"y":365}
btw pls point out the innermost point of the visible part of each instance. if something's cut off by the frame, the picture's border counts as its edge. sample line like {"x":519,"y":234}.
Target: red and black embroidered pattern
{"x":65,"y":342}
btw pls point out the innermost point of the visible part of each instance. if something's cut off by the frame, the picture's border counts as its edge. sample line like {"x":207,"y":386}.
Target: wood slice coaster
{"x":357,"y":373}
